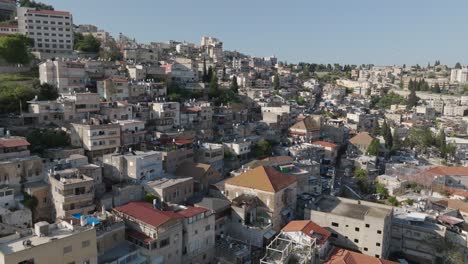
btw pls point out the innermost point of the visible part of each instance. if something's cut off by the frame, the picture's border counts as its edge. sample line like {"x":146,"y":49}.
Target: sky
{"x":327,"y":31}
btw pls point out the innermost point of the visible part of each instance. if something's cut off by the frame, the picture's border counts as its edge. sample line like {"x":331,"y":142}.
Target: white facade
{"x":52,"y":31}
{"x":459,"y":75}
{"x":65,"y":75}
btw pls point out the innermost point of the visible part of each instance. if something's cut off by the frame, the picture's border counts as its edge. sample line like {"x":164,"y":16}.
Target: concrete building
{"x":95,"y":137}
{"x":72,"y":192}
{"x":13,"y":147}
{"x":459,"y":76}
{"x":132,"y":132}
{"x":67,"y":76}
{"x":166,"y":114}
{"x":354,"y":224}
{"x":116,"y":110}
{"x":211,"y":153}
{"x":306,"y":130}
{"x":52,"y":31}
{"x":51,"y":243}
{"x":175,"y":154}
{"x":113,"y":89}
{"x":136,"y":165}
{"x":213,"y":47}
{"x":171,"y":191}
{"x":203,"y":175}
{"x":8,"y":29}
{"x":157,"y":233}
{"x":275,"y":191}
{"x":7,"y":9}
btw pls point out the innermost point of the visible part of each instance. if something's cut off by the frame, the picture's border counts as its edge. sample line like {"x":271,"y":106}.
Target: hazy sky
{"x":326,"y":31}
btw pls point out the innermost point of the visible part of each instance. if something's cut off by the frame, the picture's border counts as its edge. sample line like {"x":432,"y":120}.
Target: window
{"x":356,"y":229}
{"x":356,"y":240}
{"x":208,"y":227}
{"x":377,"y":244}
{"x":67,"y":249}
{"x":377,"y":255}
{"x":366,"y":249}
{"x":164,"y":242}
{"x":379,"y":231}
{"x":335,"y":224}
{"x":85,"y":243}
{"x":334,"y":235}
{"x":196,"y":232}
{"x":367,"y":225}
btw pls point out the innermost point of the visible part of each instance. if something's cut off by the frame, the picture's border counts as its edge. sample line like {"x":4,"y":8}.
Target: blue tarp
{"x":89,"y":219}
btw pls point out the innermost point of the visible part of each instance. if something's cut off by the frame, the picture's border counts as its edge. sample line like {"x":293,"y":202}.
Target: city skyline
{"x":333,"y":32}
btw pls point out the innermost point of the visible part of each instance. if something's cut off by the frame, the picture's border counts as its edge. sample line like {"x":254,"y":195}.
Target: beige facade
{"x":67,"y":76}
{"x":172,"y":191}
{"x":16,"y":171}
{"x":51,"y":243}
{"x":355,"y":224}
{"x":95,"y":136}
{"x":72,"y":192}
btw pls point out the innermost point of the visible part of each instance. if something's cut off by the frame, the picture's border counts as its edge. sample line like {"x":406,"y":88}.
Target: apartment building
{"x":175,"y":154}
{"x":7,"y":9}
{"x":113,"y":89}
{"x":355,"y":224}
{"x":67,"y":76}
{"x":171,"y":191}
{"x":203,"y":175}
{"x":95,"y":136}
{"x":459,"y":76}
{"x":13,"y":147}
{"x":14,"y":172}
{"x":211,"y":153}
{"x":52,"y":31}
{"x":8,"y":29}
{"x":72,"y":192}
{"x":61,"y":242}
{"x":166,"y":115}
{"x":132,"y":132}
{"x":135,"y":165}
{"x":116,"y":110}
{"x":213,"y":47}
{"x":239,"y":148}
{"x":157,"y":233}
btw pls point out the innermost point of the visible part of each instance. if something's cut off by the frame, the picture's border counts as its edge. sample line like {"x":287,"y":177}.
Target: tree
{"x":47,"y":92}
{"x":387,"y":135}
{"x":262,"y":148}
{"x":397,"y":144}
{"x":205,"y":73}
{"x":234,"y":85}
{"x":213,"y":87}
{"x":376,"y":128}
{"x":209,"y":75}
{"x":412,"y":100}
{"x":393,"y":201}
{"x":86,"y":43}
{"x":300,"y":100}
{"x":381,"y":190}
{"x":458,"y":65}
{"x":14,"y":49}
{"x":436,"y":88}
{"x":34,"y":4}
{"x":276,"y":82}
{"x":374,"y":148}
{"x":110,"y":51}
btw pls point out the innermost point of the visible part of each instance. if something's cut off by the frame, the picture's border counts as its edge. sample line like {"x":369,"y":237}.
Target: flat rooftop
{"x":56,"y":231}
{"x":167,"y":182}
{"x":352,"y":208}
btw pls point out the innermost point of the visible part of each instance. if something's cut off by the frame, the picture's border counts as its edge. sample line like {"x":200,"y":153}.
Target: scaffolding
{"x":283,"y":250}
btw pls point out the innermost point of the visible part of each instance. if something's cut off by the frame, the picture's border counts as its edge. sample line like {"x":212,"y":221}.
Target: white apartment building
{"x":455,"y":110}
{"x":113,"y":89}
{"x":136,"y":165}
{"x":459,"y":76}
{"x":355,"y":224}
{"x":167,"y":114}
{"x":67,"y":76}
{"x":52,"y":31}
{"x":95,"y":137}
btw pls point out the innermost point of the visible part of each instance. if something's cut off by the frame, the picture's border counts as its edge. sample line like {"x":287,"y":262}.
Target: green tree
{"x":110,"y":51}
{"x":276,"y":82}
{"x":412,"y":100}
{"x":300,"y":100}
{"x":205,"y":73}
{"x":34,"y":4}
{"x":374,"y":148}
{"x":47,"y":92}
{"x":436,"y":88}
{"x":381,"y":190}
{"x":87,"y":43}
{"x":393,"y":201}
{"x":397,"y":144}
{"x":387,"y":135}
{"x":209,"y":75}
{"x":262,"y":148}
{"x":213,"y":87}
{"x":234,"y":86}
{"x":14,"y":49}
{"x":375,"y":128}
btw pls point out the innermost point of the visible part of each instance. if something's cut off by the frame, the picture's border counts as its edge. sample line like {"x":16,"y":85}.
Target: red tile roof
{"x":145,"y":212}
{"x":448,"y":171}
{"x":192,"y":211}
{"x":325,"y":144}
{"x":138,"y":235}
{"x":13,"y":142}
{"x":50,"y":12}
{"x":263,"y":178}
{"x":343,"y":256}
{"x":309,"y":228}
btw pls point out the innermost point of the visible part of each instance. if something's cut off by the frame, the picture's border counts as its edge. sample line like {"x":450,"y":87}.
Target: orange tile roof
{"x":343,"y":256}
{"x":278,"y":159}
{"x":50,"y":12}
{"x":448,"y":171}
{"x":310,"y":123}
{"x":13,"y":142}
{"x":145,"y":212}
{"x":362,"y":138}
{"x":309,"y":228}
{"x":325,"y":144}
{"x":263,"y":178}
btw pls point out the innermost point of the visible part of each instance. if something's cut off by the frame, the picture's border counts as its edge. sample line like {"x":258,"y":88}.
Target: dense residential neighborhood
{"x":114,"y":150}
